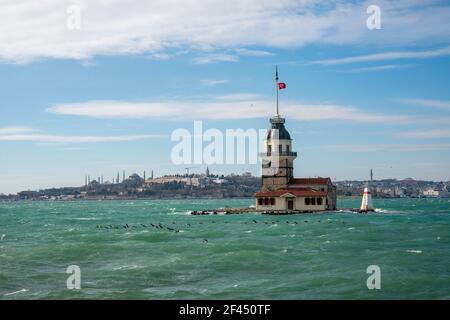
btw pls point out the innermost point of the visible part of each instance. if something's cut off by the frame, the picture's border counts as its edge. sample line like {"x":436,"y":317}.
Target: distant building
{"x":134,"y":180}
{"x":436,"y":193}
{"x":219,"y":181}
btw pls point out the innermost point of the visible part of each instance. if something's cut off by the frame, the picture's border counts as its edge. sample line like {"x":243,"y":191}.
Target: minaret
{"x":152,"y":174}
{"x":89,"y":180}
{"x":85,"y":181}
{"x":207,"y":171}
{"x":144,"y":176}
{"x":278,"y":159}
{"x":123,"y":176}
{"x":118,"y":177}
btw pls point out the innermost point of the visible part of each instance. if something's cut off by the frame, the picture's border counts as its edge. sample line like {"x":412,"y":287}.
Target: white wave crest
{"x":15,"y":292}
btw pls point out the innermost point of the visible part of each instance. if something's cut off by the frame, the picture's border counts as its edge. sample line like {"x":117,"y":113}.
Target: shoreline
{"x":121,"y":199}
{"x":189,"y":198}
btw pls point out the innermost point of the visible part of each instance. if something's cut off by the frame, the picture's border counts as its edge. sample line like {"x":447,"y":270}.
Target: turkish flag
{"x":281,"y":85}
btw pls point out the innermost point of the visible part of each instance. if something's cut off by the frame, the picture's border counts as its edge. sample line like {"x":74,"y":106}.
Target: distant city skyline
{"x":107,"y":96}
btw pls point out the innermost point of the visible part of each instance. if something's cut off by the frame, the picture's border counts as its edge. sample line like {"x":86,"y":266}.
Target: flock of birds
{"x":142,"y":225}
{"x":175,"y":227}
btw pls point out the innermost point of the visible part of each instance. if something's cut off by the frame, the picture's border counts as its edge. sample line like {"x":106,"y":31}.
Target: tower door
{"x":290,"y":204}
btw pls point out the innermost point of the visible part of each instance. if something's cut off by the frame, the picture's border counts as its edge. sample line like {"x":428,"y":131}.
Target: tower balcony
{"x":278,"y":154}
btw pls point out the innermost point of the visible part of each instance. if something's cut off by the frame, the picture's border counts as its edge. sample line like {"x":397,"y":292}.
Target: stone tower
{"x":278,"y":158}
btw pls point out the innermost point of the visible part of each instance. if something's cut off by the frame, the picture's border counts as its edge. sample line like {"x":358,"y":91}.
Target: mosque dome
{"x":277,"y":123}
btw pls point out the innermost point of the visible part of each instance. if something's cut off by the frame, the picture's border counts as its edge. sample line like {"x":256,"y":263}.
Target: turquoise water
{"x":310,"y":256}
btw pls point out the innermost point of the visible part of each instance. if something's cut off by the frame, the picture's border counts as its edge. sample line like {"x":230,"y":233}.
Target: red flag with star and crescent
{"x":281,"y":85}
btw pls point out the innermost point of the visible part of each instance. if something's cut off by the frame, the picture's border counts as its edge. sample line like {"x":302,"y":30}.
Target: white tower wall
{"x":367,"y":204}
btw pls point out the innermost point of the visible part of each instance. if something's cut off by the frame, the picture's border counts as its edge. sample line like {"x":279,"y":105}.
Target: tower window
{"x":280,"y":148}
{"x":287,"y":148}
{"x":269,"y":149}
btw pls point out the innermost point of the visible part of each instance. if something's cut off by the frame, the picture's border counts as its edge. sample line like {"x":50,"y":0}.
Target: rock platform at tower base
{"x":228,"y":211}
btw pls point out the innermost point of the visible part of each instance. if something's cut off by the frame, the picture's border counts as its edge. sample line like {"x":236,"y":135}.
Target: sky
{"x":96,"y":87}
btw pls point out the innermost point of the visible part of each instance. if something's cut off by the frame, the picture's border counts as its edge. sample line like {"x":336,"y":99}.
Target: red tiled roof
{"x":309,"y":181}
{"x":298,"y":192}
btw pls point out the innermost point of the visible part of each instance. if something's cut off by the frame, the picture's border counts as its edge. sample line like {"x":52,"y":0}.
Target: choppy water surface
{"x":251,"y":256}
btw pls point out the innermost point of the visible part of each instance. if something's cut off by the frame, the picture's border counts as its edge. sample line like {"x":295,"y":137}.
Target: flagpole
{"x":276,"y":83}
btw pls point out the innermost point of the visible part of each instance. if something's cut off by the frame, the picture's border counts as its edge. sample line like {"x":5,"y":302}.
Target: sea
{"x":154,"y":249}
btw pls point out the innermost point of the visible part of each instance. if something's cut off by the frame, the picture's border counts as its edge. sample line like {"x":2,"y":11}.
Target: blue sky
{"x":107,"y":96}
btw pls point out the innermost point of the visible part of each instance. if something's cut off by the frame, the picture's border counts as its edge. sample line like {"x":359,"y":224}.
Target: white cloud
{"x":62,"y":139}
{"x":160,"y":56}
{"x":387,"y":147}
{"x":33,"y":30}
{"x":214,"y":57}
{"x":438,"y":104}
{"x":381,"y":68}
{"x":394,"y":55}
{"x":254,"y":53}
{"x":239,"y":97}
{"x":238,"y":106}
{"x":212,"y":82}
{"x":427,"y":134}
{"x":16,"y":130}
{"x":166,"y":56}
